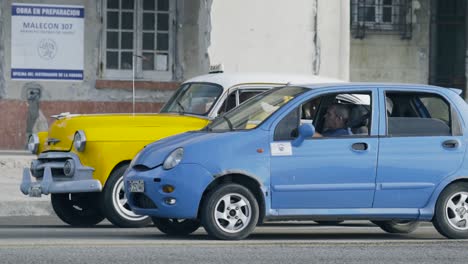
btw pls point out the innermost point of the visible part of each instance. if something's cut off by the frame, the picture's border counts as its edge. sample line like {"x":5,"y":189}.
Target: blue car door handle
{"x":360,"y":146}
{"x":450,"y":144}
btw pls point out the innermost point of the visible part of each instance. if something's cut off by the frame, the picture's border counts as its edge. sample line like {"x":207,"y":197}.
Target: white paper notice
{"x":281,"y":149}
{"x":47,"y":42}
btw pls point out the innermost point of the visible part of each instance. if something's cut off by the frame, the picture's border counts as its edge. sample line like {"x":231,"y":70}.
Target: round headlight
{"x":80,"y":140}
{"x":33,"y":143}
{"x":173,"y":159}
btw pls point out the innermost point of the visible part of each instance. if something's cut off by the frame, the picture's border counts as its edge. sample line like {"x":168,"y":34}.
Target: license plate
{"x":137,"y":186}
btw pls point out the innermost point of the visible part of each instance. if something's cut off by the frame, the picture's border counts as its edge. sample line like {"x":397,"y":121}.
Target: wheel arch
{"x":249,"y":182}
{"x":116,"y":167}
{"x":427,"y":213}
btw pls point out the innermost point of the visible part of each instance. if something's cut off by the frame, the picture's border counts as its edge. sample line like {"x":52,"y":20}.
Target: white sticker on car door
{"x":281,"y":149}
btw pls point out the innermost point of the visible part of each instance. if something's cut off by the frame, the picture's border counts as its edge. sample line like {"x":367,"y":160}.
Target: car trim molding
{"x":324,"y":187}
{"x":405,"y":185}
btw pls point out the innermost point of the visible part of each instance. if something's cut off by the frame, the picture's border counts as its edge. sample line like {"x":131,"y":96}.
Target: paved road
{"x":46,"y":240}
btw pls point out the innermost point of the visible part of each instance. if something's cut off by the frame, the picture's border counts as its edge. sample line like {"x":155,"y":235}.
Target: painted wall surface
{"x":192,"y":42}
{"x":26,"y":111}
{"x":388,"y":58}
{"x":334,"y":36}
{"x":280,"y":36}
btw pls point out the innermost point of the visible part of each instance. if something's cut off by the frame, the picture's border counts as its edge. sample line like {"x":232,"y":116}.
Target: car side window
{"x":228,"y":104}
{"x":287,"y":127}
{"x":231,"y":100}
{"x":333,"y":115}
{"x":246,"y":95}
{"x":417,"y":114}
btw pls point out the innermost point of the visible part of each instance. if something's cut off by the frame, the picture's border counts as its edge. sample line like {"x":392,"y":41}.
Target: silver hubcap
{"x":456,"y":211}
{"x":120,"y":203}
{"x":233,"y":213}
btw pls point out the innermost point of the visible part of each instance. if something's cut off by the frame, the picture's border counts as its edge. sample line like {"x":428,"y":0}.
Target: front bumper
{"x":50,"y":178}
{"x":189,"y":182}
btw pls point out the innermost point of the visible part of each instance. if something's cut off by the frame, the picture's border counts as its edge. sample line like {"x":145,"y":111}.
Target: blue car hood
{"x":154,"y":154}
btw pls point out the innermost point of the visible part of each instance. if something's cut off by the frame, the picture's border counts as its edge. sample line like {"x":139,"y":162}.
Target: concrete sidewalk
{"x":12,"y":201}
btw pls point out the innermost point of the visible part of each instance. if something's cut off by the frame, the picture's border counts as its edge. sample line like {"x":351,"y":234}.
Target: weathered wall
{"x":334,"y":36}
{"x":388,"y":58}
{"x":278,"y":36}
{"x":94,"y":95}
{"x":75,"y":91}
{"x":2,"y":52}
{"x":193,"y":38}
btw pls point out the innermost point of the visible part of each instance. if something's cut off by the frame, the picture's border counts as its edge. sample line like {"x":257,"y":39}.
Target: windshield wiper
{"x":228,"y":122}
{"x":181,"y":107}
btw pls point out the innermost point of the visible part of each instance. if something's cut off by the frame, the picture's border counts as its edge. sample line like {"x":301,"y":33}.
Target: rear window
{"x":417,"y":114}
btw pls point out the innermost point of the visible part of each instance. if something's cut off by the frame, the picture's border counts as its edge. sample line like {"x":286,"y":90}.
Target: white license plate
{"x":137,"y":186}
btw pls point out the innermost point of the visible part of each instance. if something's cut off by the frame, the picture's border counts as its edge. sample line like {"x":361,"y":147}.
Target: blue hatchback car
{"x":392,"y":154}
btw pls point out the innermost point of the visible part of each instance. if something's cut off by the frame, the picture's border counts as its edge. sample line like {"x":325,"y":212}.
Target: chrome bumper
{"x":47,"y":182}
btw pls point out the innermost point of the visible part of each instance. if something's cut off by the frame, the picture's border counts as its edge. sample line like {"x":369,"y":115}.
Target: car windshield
{"x":254,"y":111}
{"x":193,"y":98}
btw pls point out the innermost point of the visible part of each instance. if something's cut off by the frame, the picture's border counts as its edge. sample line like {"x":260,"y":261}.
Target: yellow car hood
{"x":118,"y":127}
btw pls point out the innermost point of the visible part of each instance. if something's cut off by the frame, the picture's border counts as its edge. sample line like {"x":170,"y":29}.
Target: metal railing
{"x":381,"y":17}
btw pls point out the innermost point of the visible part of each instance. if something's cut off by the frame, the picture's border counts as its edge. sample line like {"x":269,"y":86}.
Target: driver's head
{"x":336,"y":117}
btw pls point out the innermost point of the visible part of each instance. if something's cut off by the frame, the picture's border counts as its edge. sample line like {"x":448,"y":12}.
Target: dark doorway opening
{"x":448,"y":43}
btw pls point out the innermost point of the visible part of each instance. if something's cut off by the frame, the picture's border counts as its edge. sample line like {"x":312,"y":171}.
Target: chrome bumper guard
{"x":82,"y":180}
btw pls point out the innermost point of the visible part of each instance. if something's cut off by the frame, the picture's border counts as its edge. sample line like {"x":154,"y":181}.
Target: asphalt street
{"x":44,"y":239}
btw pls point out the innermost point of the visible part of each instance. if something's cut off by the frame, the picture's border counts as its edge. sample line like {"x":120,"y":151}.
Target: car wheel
{"x":77,"y":209}
{"x":397,"y":226}
{"x":114,"y":202}
{"x":229,"y":212}
{"x":328,"y":222}
{"x":176,"y":227}
{"x":451,"y":212}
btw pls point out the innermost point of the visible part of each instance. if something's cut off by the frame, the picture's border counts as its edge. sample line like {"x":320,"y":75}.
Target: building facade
{"x":409,"y":41}
{"x":159,"y":43}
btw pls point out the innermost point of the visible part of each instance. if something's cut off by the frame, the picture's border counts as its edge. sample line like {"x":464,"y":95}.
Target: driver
{"x":335,"y":122}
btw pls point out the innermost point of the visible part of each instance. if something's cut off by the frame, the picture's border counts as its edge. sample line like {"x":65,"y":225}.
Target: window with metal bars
{"x":381,"y":16}
{"x":137,"y":39}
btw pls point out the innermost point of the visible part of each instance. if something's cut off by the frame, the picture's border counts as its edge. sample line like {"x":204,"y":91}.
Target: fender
{"x":427,"y":213}
{"x":264,"y":189}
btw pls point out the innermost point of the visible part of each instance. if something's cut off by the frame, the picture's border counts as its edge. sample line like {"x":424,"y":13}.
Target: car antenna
{"x":133,"y":80}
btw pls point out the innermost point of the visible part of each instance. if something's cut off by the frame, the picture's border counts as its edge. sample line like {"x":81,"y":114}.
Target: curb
{"x":12,"y":201}
{"x":26,"y":208}
{"x":15,"y":161}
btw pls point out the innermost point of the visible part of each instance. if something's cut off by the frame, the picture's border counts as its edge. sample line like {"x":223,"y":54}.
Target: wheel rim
{"x":232,"y":213}
{"x":121,"y":203}
{"x":456,"y":211}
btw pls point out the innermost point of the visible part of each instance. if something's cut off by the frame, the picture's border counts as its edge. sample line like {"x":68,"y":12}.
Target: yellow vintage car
{"x":82,"y":158}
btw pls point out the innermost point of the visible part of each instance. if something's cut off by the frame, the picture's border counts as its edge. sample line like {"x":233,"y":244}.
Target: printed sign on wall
{"x":47,"y":42}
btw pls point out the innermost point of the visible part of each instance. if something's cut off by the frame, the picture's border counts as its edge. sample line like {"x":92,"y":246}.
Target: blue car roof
{"x":375,"y":85}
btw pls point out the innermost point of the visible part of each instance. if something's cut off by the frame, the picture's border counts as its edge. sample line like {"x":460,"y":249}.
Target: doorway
{"x":448,"y":43}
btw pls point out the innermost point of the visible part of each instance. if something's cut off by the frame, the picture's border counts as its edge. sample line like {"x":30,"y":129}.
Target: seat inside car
{"x":358,"y":120}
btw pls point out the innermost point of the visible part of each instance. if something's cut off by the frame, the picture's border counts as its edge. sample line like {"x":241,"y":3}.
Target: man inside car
{"x":336,"y":119}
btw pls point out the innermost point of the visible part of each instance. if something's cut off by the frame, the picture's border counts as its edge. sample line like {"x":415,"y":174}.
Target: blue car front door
{"x":327,"y":172}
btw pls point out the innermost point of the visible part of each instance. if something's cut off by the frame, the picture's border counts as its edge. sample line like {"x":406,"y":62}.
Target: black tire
{"x":443,"y":214}
{"x":329,"y":222}
{"x":119,"y":215}
{"x":397,"y":226}
{"x":216,"y":227}
{"x":176,"y":227}
{"x":77,"y":209}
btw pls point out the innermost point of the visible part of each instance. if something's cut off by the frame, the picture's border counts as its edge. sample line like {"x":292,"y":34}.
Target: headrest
{"x":359,"y":116}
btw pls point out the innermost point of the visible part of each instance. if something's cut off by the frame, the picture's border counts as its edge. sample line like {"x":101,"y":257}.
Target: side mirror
{"x":305,"y":131}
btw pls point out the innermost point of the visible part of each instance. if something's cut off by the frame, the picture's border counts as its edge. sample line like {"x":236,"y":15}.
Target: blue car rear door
{"x":421,"y":144}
